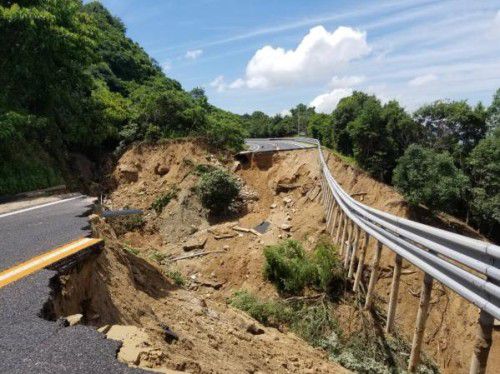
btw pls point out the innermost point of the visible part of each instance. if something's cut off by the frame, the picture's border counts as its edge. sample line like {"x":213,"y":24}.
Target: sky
{"x":271,"y":55}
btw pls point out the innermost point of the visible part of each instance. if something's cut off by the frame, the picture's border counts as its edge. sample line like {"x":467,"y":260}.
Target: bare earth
{"x":129,"y":297}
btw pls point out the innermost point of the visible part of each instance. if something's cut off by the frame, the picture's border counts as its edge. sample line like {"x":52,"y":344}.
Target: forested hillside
{"x":72,"y":82}
{"x":446,"y":155}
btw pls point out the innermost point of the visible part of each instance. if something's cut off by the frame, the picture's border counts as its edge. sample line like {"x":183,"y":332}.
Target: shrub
{"x":328,"y":268}
{"x":217,"y":189}
{"x":287,"y":266}
{"x":291,"y":269}
{"x":163,"y":200}
{"x":269,"y":313}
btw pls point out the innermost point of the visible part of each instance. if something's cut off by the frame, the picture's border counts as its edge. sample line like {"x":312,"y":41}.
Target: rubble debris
{"x":254,"y":330}
{"x":168,"y":334}
{"x":197,"y":242}
{"x":262,"y":227}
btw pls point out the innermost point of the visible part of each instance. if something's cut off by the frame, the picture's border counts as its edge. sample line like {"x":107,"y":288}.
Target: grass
{"x":176,"y":277}
{"x":347,"y":159}
{"x":202,"y":169}
{"x":157,"y":257}
{"x":162,"y":201}
{"x":131,"y":250}
{"x":291,"y":269}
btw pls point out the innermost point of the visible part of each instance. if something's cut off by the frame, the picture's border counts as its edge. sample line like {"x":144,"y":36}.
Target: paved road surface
{"x":28,"y":343}
{"x":271,"y":144}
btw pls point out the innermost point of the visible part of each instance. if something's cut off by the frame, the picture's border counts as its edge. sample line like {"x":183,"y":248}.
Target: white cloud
{"x":285,"y":112}
{"x":347,"y":81}
{"x":327,"y":102}
{"x":422,"y":80}
{"x":166,"y":66}
{"x":219,"y":83}
{"x":317,"y":57}
{"x":193,"y":54}
{"x":495,"y":27}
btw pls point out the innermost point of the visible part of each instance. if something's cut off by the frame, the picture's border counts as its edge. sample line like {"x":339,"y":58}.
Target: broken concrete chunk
{"x":74,"y":319}
{"x":135,"y":342}
{"x":197,"y":242}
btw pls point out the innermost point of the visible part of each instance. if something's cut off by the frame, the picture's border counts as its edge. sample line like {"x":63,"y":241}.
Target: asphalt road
{"x":29,"y":343}
{"x":267,"y":145}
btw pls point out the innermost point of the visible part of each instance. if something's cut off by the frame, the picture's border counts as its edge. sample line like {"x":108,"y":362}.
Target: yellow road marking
{"x":39,"y":262}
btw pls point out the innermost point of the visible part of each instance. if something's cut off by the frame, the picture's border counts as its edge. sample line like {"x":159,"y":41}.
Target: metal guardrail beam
{"x":469,"y":267}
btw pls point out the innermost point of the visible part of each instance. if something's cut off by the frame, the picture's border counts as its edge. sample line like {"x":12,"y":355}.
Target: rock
{"x":168,"y":334}
{"x":104,"y":329}
{"x":74,"y":319}
{"x":197,"y":242}
{"x":135,"y":342}
{"x":161,"y":169}
{"x":129,"y":173}
{"x":254,"y":330}
{"x":273,"y":206}
{"x":287,"y":201}
{"x":226,"y":247}
{"x":286,"y":227}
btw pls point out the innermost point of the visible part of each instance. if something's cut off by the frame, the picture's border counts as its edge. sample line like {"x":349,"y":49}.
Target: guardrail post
{"x":329,"y":208}
{"x":482,"y":344}
{"x":350,"y":233}
{"x":347,"y":223}
{"x":350,"y":261}
{"x":393,"y":298}
{"x":423,"y":311}
{"x":373,"y":276}
{"x":341,"y":223}
{"x":335,"y":219}
{"x":361,"y":261}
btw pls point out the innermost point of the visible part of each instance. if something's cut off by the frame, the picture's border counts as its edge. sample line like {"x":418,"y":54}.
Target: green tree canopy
{"x":426,"y":177}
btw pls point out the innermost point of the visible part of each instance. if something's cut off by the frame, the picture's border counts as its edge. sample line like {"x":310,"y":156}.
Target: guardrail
{"x":469,"y":267}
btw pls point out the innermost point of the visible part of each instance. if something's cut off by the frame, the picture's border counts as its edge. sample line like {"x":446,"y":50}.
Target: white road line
{"x":39,"y":206}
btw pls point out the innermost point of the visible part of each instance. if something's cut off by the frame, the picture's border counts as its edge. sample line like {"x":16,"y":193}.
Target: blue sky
{"x":271,"y":55}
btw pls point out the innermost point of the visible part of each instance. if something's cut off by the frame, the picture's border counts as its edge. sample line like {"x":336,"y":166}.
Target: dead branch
{"x":195,"y":255}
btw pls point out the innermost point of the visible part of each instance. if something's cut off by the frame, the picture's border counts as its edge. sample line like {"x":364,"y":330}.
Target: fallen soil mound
{"x":162,"y":284}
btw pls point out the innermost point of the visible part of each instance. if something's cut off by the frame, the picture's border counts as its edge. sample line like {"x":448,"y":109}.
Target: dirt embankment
{"x":451,"y":326}
{"x":129,"y":292}
{"x":161,"y":284}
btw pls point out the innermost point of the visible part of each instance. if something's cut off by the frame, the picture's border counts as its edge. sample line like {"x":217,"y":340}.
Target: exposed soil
{"x":129,"y":291}
{"x":451,"y":326}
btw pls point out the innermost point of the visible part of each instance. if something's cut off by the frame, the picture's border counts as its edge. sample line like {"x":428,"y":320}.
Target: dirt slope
{"x":452,"y":321}
{"x":131,"y":287}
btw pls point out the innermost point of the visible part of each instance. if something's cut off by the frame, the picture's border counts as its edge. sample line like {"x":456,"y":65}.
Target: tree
{"x":346,"y":111}
{"x":319,"y":127}
{"x":484,"y":169}
{"x":300,"y":115}
{"x":493,"y":114}
{"x":225,"y":131}
{"x":426,"y":177}
{"x":453,"y":127}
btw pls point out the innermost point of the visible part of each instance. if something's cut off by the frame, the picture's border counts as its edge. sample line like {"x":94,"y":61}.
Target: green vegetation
{"x":163,"y":200}
{"x":157,"y":256}
{"x":217,"y":190}
{"x":72,"y":81}
{"x":176,"y":276}
{"x":291,"y":269}
{"x":375,"y":136}
{"x":425,"y":176}
{"x":131,"y":250}
{"x":314,"y":321}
